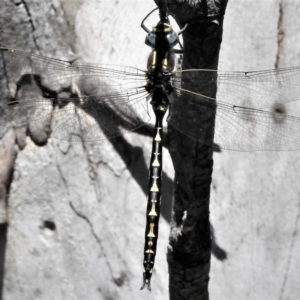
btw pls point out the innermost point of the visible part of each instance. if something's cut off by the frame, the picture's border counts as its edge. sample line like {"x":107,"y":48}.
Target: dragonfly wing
{"x":82,"y":101}
{"x":193,"y":115}
{"x":257,"y":89}
{"x":235,"y":127}
{"x":89,"y":118}
{"x":248,"y":129}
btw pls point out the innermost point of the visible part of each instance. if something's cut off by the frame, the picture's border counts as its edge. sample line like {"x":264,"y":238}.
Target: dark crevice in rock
{"x":280,"y":36}
{"x":54,"y":9}
{"x":5,"y":73}
{"x":28,"y":79}
{"x":98,"y":240}
{"x":86,"y":219}
{"x":62,"y":177}
{"x":16,"y":3}
{"x":290,"y":256}
{"x":9,"y":182}
{"x":31,"y":23}
{"x":49,"y":225}
{"x":93,"y":174}
{"x":121,"y":279}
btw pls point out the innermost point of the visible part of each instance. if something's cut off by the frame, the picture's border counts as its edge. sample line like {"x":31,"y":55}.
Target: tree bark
{"x":189,"y":248}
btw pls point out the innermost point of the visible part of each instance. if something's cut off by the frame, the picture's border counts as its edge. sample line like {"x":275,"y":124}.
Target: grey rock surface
{"x":255,"y":202}
{"x":76,"y":212}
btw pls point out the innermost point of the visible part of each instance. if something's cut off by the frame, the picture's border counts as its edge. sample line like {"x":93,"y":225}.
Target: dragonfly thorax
{"x":163,"y":61}
{"x":159,"y":80}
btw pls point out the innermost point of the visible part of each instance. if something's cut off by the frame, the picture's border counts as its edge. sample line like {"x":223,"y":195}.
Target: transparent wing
{"x":257,"y":89}
{"x":74,"y":101}
{"x":237,"y":125}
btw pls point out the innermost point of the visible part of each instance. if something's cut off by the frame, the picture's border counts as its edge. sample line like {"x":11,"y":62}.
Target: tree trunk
{"x":190,"y":240}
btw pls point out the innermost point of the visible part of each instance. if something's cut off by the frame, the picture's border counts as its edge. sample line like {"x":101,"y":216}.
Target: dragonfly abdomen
{"x":154,"y":198}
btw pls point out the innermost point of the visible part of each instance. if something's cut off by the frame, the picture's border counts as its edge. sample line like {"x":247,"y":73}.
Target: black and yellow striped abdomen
{"x":154,"y":196}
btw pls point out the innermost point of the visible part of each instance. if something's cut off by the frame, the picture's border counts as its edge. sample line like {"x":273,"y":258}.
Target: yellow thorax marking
{"x":158,"y":138}
{"x":154,"y":187}
{"x":165,"y":63}
{"x":166,"y":28}
{"x":151,"y":231}
{"x":154,"y":59}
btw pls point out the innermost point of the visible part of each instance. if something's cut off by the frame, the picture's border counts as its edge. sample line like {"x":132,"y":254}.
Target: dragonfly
{"x":94,"y":102}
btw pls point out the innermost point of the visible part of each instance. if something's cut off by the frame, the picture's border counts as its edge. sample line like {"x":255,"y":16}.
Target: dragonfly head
{"x":162,"y":35}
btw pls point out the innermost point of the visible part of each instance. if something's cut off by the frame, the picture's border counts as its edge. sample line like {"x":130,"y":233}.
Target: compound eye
{"x":150,"y":40}
{"x":173,"y":39}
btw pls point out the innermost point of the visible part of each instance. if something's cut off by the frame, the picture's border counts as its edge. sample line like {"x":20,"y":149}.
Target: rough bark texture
{"x":190,"y":240}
